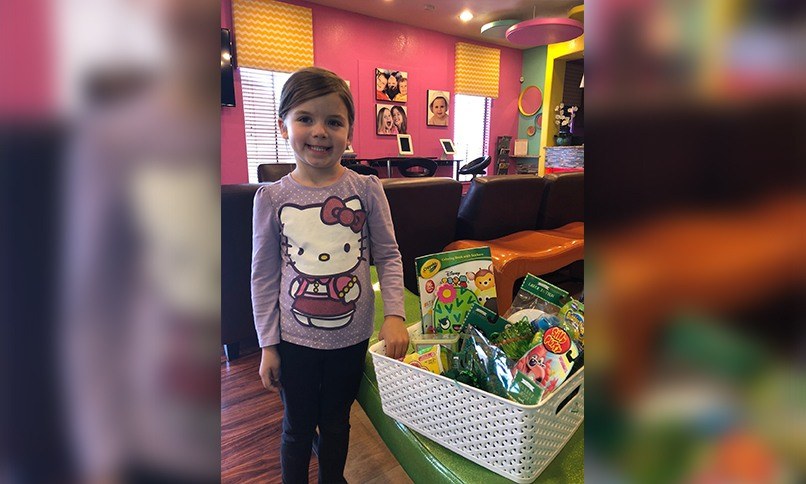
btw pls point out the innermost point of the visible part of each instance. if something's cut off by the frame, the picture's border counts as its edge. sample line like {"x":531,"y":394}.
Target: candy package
{"x":549,"y":362}
{"x":433,"y":359}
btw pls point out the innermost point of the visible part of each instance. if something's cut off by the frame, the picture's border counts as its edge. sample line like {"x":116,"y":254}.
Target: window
{"x":261,"y":98}
{"x":471,"y":128}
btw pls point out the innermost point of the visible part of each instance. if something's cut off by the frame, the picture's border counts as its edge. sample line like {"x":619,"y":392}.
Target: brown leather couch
{"x":237,"y":320}
{"x":531,"y":224}
{"x":424,"y":216}
{"x":500,"y":205}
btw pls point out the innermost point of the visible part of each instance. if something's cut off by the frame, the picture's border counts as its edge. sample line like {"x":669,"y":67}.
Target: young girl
{"x":386,"y":123}
{"x":399,"y":119}
{"x":314,"y":231}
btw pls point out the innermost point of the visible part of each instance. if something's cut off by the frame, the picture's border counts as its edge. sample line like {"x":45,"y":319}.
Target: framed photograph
{"x":391,"y":119}
{"x":391,"y":85}
{"x":439,"y":103}
{"x":447,"y":146}
{"x":404,"y":146}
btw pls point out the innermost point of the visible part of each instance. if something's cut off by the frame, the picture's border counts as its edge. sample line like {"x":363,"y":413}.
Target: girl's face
{"x":404,"y":86}
{"x":392,"y":83}
{"x":439,"y":107}
{"x":397,"y":116}
{"x":318,"y":131}
{"x":387,"y":120}
{"x":380,"y":82}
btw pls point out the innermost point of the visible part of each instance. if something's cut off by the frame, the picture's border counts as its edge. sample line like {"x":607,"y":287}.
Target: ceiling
{"x":444,"y":17}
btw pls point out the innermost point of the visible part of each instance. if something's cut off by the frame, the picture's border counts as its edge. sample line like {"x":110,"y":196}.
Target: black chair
{"x":476,"y":167}
{"x":271,"y":172}
{"x":417,"y":167}
{"x":362,"y":169}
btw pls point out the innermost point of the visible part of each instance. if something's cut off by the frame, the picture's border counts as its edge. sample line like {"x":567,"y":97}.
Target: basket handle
{"x":565,"y":401}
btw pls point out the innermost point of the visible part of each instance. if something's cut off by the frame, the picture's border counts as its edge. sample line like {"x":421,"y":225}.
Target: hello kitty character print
{"x":324,"y":244}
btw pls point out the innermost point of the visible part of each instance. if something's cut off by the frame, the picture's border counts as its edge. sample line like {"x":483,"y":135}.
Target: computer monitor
{"x":447,"y":146}
{"x":404,"y":146}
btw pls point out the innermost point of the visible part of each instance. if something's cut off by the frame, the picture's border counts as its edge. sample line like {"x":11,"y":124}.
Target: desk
{"x":390,"y":161}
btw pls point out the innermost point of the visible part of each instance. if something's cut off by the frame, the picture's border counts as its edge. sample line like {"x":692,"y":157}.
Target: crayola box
{"x":450,"y":283}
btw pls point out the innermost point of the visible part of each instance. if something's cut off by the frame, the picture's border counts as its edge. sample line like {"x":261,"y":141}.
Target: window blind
{"x":471,"y":128}
{"x":273,"y":35}
{"x":477,"y":70}
{"x":261,"y":98}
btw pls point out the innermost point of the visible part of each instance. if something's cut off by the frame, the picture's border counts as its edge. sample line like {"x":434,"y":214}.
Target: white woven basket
{"x":513,"y":440}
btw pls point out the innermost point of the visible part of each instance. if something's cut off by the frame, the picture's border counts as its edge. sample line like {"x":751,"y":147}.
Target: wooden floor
{"x":251,"y":424}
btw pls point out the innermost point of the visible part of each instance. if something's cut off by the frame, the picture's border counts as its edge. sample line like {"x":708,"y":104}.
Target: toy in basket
{"x":450,"y":283}
{"x":513,"y":440}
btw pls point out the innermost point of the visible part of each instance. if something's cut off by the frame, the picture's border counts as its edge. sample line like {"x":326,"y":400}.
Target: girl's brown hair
{"x":313,"y":82}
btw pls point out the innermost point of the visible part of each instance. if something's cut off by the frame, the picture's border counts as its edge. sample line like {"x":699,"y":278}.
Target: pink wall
{"x":352,"y":45}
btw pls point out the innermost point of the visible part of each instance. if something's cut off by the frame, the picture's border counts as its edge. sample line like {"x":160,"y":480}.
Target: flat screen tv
{"x":227,"y":79}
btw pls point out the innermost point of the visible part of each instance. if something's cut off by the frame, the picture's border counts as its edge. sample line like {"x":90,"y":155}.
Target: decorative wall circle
{"x":530,"y":100}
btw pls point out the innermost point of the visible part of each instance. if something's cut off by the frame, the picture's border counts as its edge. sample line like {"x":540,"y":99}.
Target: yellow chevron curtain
{"x":477,"y":70}
{"x":273,"y":35}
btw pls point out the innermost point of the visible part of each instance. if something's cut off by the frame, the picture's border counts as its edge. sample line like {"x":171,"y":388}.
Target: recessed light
{"x":466,"y":15}
{"x":429,"y":7}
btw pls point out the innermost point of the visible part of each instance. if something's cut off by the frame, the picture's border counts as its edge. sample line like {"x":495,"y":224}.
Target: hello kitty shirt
{"x":310,"y":261}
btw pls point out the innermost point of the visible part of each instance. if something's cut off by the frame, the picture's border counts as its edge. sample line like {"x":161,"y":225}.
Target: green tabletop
{"x":426,"y":461}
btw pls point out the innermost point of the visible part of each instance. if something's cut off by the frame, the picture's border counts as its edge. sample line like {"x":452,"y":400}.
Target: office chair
{"x":362,"y":169}
{"x":476,"y":167}
{"x":417,"y":167}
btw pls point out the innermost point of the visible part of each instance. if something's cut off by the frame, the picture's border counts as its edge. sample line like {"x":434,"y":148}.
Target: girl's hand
{"x":270,"y":369}
{"x":396,"y":336}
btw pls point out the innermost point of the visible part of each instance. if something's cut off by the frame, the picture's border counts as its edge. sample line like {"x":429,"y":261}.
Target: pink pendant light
{"x":544,"y":31}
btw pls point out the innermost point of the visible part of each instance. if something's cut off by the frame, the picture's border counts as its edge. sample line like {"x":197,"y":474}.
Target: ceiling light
{"x":466,"y":15}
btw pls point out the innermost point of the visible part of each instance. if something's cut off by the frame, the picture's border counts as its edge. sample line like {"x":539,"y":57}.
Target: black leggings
{"x":318,"y":389}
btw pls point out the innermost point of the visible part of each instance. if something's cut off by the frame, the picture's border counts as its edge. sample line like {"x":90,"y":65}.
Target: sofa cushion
{"x":424,"y":217}
{"x":563,"y":200}
{"x":499,"y":205}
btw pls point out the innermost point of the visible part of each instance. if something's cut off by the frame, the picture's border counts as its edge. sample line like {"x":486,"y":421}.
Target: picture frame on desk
{"x":404,"y":145}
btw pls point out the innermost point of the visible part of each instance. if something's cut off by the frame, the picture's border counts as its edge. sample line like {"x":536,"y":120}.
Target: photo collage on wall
{"x":391,"y":85}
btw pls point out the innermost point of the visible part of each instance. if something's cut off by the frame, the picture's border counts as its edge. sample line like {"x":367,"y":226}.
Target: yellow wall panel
{"x":273,"y":35}
{"x":477,"y":70}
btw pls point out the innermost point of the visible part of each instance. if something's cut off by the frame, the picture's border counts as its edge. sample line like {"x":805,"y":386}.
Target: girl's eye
{"x":346,"y":247}
{"x":304,"y":119}
{"x":300,"y":251}
{"x":336,"y":123}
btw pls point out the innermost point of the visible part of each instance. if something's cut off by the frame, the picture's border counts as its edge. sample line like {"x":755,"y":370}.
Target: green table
{"x":426,"y":461}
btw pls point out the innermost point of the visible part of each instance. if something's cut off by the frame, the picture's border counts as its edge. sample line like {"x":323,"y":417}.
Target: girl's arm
{"x":266,"y":268}
{"x":386,"y":254}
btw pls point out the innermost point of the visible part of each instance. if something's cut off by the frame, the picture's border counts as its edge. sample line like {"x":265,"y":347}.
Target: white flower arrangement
{"x":564,"y":114}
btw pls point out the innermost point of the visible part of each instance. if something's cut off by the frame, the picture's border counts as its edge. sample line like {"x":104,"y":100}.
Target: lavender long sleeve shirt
{"x":310,"y":261}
